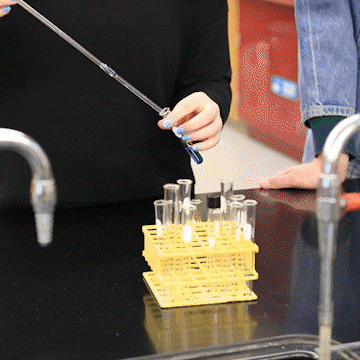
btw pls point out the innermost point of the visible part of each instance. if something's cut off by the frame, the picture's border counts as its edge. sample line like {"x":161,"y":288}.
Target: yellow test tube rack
{"x":193,"y":273}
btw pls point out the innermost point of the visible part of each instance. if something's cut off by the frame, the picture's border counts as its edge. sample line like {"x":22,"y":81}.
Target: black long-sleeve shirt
{"x":102,"y":141}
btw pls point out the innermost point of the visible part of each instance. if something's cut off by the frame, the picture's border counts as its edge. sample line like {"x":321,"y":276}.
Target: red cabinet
{"x":269,"y":101}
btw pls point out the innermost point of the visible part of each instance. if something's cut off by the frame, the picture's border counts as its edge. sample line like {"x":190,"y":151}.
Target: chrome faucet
{"x":328,"y":212}
{"x":42,"y":188}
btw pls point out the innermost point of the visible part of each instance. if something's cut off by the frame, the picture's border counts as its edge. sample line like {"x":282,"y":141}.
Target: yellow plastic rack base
{"x":185,"y":274}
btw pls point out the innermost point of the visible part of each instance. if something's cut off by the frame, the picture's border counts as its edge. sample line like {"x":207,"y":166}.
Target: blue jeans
{"x":329,"y":54}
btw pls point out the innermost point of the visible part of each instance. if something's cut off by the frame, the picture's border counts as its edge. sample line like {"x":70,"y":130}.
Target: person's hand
{"x":5,"y":6}
{"x":304,"y":176}
{"x":197,"y":118}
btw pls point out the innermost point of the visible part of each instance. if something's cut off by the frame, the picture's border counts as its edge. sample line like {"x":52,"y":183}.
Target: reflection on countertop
{"x":192,"y":327}
{"x":84,"y":296}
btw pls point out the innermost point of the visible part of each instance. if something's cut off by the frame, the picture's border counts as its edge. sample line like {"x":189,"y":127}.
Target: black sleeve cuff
{"x":321,"y":127}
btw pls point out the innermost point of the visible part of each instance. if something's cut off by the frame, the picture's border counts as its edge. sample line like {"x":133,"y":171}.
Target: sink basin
{"x":288,"y":347}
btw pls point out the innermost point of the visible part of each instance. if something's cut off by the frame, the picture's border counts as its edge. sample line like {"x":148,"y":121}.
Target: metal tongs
{"x":163,"y":112}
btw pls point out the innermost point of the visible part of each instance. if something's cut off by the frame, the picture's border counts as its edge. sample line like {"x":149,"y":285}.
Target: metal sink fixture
{"x":42,"y":188}
{"x":288,"y":347}
{"x":328,"y":214}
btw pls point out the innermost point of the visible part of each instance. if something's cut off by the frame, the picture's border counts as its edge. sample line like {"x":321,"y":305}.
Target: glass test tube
{"x":227,"y":186}
{"x":184,"y":192}
{"x":250,"y":217}
{"x":161,"y":217}
{"x":239,"y":198}
{"x":196,"y":203}
{"x":171,"y":194}
{"x":236,"y":217}
{"x":213,"y":219}
{"x":188,"y":222}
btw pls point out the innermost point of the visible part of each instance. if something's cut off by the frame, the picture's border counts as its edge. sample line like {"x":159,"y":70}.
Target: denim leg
{"x":354,"y":166}
{"x":328,"y":35}
{"x":328,"y":59}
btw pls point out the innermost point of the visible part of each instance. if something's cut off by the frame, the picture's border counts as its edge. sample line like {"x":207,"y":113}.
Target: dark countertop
{"x":83,"y":297}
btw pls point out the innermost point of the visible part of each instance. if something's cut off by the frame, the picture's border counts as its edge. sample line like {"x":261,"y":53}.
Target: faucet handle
{"x":351,"y":201}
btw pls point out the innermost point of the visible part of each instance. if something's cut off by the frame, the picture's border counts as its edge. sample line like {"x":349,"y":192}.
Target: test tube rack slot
{"x":186,"y":274}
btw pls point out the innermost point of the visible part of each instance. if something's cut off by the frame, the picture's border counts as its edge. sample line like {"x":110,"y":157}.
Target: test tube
{"x":161,"y":217}
{"x":171,"y":194}
{"x":250,"y":217}
{"x":213,"y":219}
{"x":227,"y":191}
{"x":239,"y":198}
{"x":196,"y":203}
{"x":188,"y":222}
{"x":236,"y":217}
{"x":184,"y":192}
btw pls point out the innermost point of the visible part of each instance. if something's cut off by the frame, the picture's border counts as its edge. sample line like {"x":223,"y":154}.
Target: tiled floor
{"x":239,"y":157}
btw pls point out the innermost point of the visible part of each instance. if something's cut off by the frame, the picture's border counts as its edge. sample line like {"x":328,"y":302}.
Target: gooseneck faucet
{"x":328,"y":212}
{"x":42,"y":188}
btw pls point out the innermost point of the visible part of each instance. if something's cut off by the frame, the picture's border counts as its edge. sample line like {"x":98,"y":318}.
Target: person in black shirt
{"x":105,"y":144}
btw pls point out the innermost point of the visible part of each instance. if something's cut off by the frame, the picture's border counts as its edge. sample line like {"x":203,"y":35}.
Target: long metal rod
{"x":353,"y":345}
{"x":344,"y":347}
{"x":107,"y":69}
